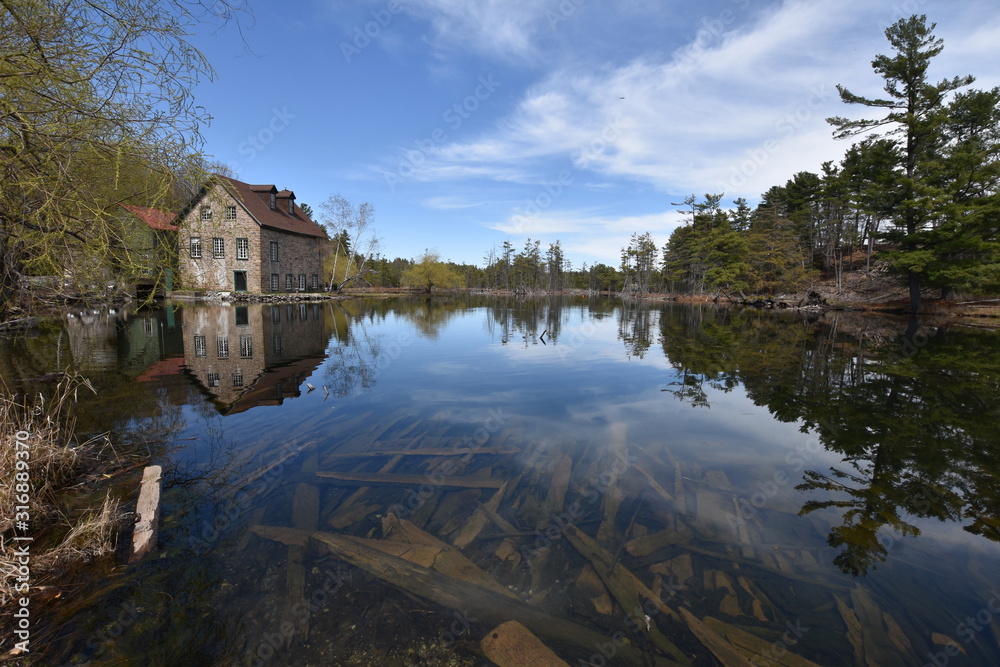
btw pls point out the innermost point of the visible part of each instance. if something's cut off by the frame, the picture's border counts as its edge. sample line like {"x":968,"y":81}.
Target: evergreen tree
{"x":915,"y":120}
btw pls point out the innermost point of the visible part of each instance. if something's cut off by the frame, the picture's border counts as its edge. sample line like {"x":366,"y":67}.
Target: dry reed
{"x":55,"y":460}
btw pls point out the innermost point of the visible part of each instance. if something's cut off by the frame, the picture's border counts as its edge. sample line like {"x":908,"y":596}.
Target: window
{"x":196,"y":247}
{"x":289,"y":278}
{"x":200,"y":348}
{"x":213,"y":379}
{"x":206,"y":214}
{"x":315,"y":281}
{"x":291,"y":206}
{"x":272,"y":201}
{"x":147,"y":325}
{"x":303,"y":312}
{"x":302,"y":282}
{"x":242,"y":316}
{"x":242,"y":249}
{"x":275,"y":282}
{"x":276,"y":315}
{"x":276,"y":343}
{"x":246,"y":346}
{"x":218,"y":248}
{"x":223,"y":346}
{"x":237,"y":378}
{"x":230,"y":213}
{"x":274,"y":251}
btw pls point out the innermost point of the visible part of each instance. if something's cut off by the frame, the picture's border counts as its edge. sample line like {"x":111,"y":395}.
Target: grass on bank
{"x":56,"y":460}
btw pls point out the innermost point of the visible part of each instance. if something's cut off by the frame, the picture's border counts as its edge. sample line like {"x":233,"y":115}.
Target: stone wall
{"x":296,"y":254}
{"x":209,"y":272}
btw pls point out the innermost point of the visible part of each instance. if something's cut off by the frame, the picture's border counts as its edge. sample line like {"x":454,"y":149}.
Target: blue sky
{"x":470,"y":122}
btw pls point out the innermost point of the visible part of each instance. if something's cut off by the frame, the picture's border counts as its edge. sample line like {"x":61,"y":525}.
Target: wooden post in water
{"x":148,"y":513}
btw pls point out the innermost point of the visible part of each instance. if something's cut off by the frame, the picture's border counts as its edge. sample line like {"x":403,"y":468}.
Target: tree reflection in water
{"x":907,"y":412}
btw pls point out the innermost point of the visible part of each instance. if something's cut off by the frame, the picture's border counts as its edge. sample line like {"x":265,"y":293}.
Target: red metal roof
{"x":275,"y":218}
{"x":154,"y":217}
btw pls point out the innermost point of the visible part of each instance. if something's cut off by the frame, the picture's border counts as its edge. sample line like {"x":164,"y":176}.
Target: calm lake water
{"x":637,"y":483}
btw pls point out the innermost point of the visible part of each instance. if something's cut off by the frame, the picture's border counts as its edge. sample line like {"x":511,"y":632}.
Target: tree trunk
{"x":914,"y":281}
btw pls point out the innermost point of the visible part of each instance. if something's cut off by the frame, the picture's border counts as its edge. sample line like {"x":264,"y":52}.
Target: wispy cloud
{"x":684,"y":122}
{"x":497,"y":28}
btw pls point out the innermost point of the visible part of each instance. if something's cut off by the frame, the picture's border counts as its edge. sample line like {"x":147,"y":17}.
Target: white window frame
{"x":246,"y":346}
{"x":274,"y":251}
{"x":195,"y":247}
{"x":218,"y":248}
{"x":230,"y":213}
{"x":206,"y":214}
{"x":242,"y":248}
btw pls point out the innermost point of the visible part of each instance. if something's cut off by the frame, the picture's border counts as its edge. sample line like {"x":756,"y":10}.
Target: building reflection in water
{"x":246,"y":356}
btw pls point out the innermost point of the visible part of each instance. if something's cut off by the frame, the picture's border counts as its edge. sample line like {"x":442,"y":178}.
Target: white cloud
{"x":451,"y":202}
{"x":501,"y":28}
{"x":589,"y":233}
{"x":688,"y":123}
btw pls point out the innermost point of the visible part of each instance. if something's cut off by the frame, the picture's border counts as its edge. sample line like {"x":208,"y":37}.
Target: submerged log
{"x":556,"y":496}
{"x":648,"y":544}
{"x":305,"y":516}
{"x":378,"y":479}
{"x":754,"y":648}
{"x":591,"y":584}
{"x":283,"y":534}
{"x":854,"y":632}
{"x":627,"y":589}
{"x":474,"y":525}
{"x":352,"y":510}
{"x":295,"y":587}
{"x":714,"y":642}
{"x":480,"y":603}
{"x":879,"y":646}
{"x":653,"y":484}
{"x":511,"y":644}
{"x":263,"y":470}
{"x":255,"y":518}
{"x":613,"y":495}
{"x":148,"y":513}
{"x":447,"y":559}
{"x":432,"y":451}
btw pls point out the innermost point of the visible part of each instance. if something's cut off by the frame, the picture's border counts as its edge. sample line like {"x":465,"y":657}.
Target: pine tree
{"x":914,"y":121}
